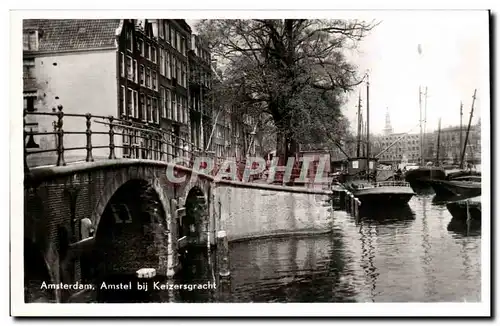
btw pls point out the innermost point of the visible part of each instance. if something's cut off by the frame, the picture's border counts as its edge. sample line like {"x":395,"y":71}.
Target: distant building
{"x":451,"y":146}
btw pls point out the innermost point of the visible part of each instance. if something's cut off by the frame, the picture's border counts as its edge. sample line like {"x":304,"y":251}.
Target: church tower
{"x":388,"y":128}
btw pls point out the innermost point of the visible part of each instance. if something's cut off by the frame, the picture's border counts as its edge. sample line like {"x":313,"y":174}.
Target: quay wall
{"x":250,"y":211}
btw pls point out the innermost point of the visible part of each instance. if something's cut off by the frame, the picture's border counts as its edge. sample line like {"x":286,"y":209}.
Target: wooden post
{"x":223,"y":254}
{"x":353,"y":205}
{"x":468,"y":217}
{"x":60,"y":135}
{"x":89,"y":139}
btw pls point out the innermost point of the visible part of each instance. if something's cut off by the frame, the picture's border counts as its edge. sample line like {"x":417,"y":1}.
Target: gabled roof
{"x":73,"y":34}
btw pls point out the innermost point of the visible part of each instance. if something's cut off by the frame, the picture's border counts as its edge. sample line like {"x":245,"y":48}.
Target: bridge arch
{"x":132,"y":222}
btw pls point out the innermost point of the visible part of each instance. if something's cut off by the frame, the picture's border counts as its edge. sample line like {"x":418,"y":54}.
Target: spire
{"x":388,"y":127}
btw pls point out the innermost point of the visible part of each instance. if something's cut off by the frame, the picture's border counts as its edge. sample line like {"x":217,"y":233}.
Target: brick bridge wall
{"x":47,"y":193}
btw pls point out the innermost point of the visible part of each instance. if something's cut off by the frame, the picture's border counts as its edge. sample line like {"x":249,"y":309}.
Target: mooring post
{"x":468,"y":217}
{"x":223,"y":253}
{"x":358,"y":203}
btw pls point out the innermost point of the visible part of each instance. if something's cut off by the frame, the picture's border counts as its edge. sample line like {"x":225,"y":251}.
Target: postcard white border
{"x":19,"y":308}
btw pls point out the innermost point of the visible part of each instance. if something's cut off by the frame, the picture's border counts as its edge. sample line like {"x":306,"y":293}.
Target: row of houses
{"x":154,"y":73}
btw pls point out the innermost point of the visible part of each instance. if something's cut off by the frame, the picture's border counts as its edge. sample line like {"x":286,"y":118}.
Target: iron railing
{"x":139,"y":140}
{"x":392,"y":184}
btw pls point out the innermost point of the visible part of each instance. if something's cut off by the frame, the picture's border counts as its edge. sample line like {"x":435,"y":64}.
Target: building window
{"x":172,"y":36}
{"x":183,"y":45}
{"x":167,"y":65}
{"x":147,"y":52}
{"x":135,"y":113}
{"x":180,"y":114}
{"x":28,"y":68}
{"x":141,"y":75}
{"x":179,"y":74}
{"x":140,"y":46}
{"x":123,"y":101}
{"x":167,"y":31}
{"x":154,"y":77}
{"x":162,"y":62}
{"x":135,"y":71}
{"x":162,"y":102}
{"x":184,"y":75}
{"x":168,"y":104}
{"x":130,"y":72}
{"x":29,"y":103}
{"x":153,"y":54}
{"x":178,"y":41}
{"x":156,"y":117}
{"x":148,"y":77}
{"x":148,"y":109}
{"x":30,"y":41}
{"x":174,"y":107}
{"x":172,"y":66}
{"x":130,"y":103}
{"x":161,"y":29}
{"x":130,"y":41}
{"x":143,"y":108}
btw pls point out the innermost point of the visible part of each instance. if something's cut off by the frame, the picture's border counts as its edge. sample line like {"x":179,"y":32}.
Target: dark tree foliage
{"x":292,"y":72}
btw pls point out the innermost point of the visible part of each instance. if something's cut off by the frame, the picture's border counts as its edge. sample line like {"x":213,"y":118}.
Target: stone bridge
{"x":139,"y":218}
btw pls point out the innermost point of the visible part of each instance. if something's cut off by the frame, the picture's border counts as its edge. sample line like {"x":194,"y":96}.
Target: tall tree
{"x":292,"y":71}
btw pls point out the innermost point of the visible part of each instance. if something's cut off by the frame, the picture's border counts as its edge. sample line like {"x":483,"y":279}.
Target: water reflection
{"x":368,"y":236}
{"x":426,"y":258}
{"x":403,"y":254}
{"x":290,"y":270}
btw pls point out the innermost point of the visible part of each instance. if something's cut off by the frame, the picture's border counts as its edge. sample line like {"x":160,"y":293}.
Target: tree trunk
{"x":281,"y":147}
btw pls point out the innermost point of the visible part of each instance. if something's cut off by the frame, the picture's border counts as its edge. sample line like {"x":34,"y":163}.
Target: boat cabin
{"x":357,"y":165}
{"x":356,"y":168}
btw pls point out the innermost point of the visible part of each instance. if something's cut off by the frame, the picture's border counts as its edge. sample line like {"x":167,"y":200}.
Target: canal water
{"x":415,"y":253}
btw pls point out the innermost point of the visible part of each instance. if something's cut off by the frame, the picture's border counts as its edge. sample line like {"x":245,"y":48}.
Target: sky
{"x":454,"y":62}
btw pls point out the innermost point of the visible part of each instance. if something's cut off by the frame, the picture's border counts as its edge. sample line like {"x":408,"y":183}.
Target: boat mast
{"x":368,"y":124}
{"x":421,"y":136}
{"x":359,"y":126}
{"x":425,"y":122}
{"x":468,"y":129}
{"x":461,"y":132}
{"x":438,"y":142}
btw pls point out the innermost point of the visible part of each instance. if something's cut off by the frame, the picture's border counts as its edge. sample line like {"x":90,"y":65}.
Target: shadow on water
{"x":401,"y":214}
{"x":198,"y":267}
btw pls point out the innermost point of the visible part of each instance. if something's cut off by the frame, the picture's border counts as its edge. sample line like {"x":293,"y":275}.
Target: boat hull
{"x":384,"y":195}
{"x":418,"y":178}
{"x":455,"y":188}
{"x":458,"y":209}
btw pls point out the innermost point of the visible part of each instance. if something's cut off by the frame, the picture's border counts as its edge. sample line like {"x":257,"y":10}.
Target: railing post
{"x":25,"y":134}
{"x":60,"y":135}
{"x":111,"y":139}
{"x":89,"y":158}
